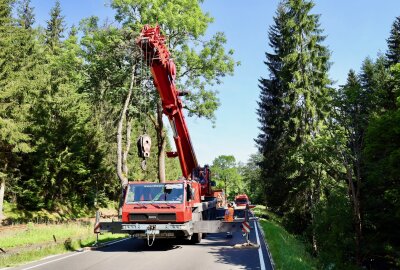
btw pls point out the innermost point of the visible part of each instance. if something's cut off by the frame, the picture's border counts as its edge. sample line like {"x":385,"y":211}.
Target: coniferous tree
{"x":393,"y":53}
{"x":21,"y":77}
{"x":55,"y":28}
{"x":295,"y":99}
{"x":352,"y":115}
{"x":25,"y":14}
{"x":7,"y":138}
{"x":271,"y":113}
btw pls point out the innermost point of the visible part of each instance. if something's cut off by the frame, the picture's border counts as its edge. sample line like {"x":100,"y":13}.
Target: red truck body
{"x":242,"y":200}
{"x":145,"y":207}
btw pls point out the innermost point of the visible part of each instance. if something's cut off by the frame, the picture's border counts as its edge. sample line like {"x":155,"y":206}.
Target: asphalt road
{"x":214,"y":252}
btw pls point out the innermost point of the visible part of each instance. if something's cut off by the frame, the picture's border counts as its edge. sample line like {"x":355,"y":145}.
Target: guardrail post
{"x":97,"y":227}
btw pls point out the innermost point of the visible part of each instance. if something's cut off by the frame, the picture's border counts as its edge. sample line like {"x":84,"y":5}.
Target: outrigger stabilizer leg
{"x":246,"y":230}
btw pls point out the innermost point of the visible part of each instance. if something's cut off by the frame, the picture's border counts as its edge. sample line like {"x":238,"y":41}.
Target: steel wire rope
{"x":140,"y":90}
{"x":146,"y":91}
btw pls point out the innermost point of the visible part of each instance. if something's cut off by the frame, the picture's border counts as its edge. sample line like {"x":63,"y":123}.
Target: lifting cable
{"x":144,"y":140}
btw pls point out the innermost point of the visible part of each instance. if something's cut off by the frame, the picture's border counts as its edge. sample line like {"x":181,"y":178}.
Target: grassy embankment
{"x":288,"y":252}
{"x":21,"y":244}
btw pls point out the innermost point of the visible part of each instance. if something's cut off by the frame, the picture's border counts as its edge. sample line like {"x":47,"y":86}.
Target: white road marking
{"x":74,"y":254}
{"x":260,"y":253}
{"x":55,"y":260}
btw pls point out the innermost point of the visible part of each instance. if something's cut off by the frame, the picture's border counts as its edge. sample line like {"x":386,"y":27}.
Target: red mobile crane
{"x":176,"y":209}
{"x":163,"y":70}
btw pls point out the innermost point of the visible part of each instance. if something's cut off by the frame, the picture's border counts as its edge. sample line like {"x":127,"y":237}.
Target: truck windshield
{"x":241,"y":201}
{"x":155,"y":193}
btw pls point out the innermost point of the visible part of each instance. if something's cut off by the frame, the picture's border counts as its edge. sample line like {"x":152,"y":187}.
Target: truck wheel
{"x":196,"y":238}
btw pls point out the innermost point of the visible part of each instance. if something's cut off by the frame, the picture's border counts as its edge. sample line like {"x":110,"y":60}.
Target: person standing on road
{"x":229,"y":213}
{"x":229,"y":217}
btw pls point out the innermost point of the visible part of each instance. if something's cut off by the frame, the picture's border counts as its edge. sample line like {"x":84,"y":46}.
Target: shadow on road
{"x":140,"y":245}
{"x":218,"y":246}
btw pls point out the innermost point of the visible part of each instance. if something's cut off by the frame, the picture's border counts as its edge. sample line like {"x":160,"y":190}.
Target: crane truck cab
{"x":165,"y":209}
{"x":242,"y":201}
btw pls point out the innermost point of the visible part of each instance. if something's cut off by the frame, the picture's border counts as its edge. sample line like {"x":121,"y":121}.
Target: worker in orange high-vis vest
{"x":229,"y":217}
{"x":229,"y":213}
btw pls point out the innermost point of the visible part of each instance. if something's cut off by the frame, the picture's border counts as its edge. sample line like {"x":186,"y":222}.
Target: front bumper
{"x":141,"y":230}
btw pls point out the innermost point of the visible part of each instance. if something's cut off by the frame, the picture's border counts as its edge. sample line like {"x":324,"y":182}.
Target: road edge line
{"x":106,"y":244}
{"x":266,"y":245}
{"x":55,"y":260}
{"x":260,"y":253}
{"x":77,"y":252}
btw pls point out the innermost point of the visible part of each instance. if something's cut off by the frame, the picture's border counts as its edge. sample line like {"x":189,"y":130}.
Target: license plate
{"x":129,"y":227}
{"x":152,"y":232}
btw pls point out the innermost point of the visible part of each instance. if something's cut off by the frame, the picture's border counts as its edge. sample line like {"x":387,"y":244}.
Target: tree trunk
{"x":2,"y":190}
{"x":125,"y":168}
{"x":356,"y":210}
{"x":122,"y":174}
{"x":161,"y":141}
{"x":162,"y":144}
{"x":315,"y":198}
{"x":123,"y":178}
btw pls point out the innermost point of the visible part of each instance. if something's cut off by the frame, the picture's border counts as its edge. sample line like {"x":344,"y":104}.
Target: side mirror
{"x":192,"y":193}
{"x":188,"y":193}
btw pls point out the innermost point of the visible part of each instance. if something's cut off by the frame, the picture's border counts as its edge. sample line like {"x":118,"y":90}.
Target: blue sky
{"x":355,"y":29}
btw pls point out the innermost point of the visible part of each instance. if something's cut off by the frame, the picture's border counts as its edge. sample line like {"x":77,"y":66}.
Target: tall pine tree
{"x":55,"y":28}
{"x":21,"y":77}
{"x":294,"y":100}
{"x":393,"y":53}
{"x":25,"y":14}
{"x":271,"y":113}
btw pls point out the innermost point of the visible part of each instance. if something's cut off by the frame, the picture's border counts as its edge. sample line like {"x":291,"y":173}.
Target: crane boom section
{"x":163,"y":70}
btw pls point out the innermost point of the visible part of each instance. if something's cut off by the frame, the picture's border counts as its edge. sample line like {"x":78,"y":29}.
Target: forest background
{"x":74,"y":100}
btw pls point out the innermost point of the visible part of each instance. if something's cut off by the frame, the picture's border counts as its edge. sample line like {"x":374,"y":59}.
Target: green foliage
{"x":334,"y":230}
{"x":395,"y":72}
{"x":294,"y":101}
{"x":25,"y":14}
{"x":225,"y":172}
{"x":330,"y":158}
{"x":382,"y":188}
{"x":36,"y":241}
{"x":200,"y":63}
{"x":393,"y":53}
{"x":287,"y":251}
{"x":252,"y":183}
{"x":55,"y":28}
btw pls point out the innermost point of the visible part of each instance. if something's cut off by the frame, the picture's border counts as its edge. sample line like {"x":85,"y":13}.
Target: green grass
{"x":35,"y":234}
{"x":62,"y":212}
{"x":37,"y":242}
{"x":288,"y":252}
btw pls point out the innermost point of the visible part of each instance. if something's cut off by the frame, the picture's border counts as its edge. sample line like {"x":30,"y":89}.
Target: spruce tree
{"x":271,"y":112}
{"x":393,"y":53}
{"x":25,"y":14}
{"x":55,"y":28}
{"x":294,"y":100}
{"x":20,"y":80}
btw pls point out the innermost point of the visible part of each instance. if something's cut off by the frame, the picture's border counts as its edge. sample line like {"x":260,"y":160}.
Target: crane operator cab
{"x":160,"y":202}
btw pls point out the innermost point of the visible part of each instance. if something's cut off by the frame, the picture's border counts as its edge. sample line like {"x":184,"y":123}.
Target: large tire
{"x":196,"y":238}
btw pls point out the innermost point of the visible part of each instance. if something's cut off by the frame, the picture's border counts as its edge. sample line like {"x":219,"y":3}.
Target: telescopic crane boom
{"x":163,"y":70}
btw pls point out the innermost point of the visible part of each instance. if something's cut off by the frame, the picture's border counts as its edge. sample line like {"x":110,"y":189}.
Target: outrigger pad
{"x":217,"y":226}
{"x":247,"y":245}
